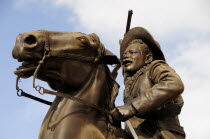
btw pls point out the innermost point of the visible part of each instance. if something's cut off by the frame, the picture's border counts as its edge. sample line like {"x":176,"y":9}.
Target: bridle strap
{"x":49,"y":53}
{"x":20,"y":93}
{"x":68,"y":96}
{"x":42,"y":91}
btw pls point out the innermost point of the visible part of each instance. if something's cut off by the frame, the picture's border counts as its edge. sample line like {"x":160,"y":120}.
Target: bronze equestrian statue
{"x":152,"y":94}
{"x":75,"y":65}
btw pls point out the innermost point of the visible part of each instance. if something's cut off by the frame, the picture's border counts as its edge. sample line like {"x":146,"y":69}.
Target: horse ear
{"x":110,"y":58}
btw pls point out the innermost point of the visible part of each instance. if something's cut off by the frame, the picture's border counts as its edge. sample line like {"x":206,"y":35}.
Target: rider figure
{"x":152,"y":94}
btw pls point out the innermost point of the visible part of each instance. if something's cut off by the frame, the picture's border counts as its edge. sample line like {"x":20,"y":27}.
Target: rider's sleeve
{"x":167,"y":87}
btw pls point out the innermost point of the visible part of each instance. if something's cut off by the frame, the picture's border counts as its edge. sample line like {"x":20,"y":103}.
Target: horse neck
{"x":96,"y":89}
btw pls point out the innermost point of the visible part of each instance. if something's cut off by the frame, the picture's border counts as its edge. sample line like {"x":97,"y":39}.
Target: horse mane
{"x":112,"y":88}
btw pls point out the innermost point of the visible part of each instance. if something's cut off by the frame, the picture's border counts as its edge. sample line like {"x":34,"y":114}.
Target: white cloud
{"x":162,"y":17}
{"x":193,"y":66}
{"x":165,"y":19}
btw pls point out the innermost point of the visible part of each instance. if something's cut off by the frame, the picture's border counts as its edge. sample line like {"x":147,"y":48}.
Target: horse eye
{"x":83,"y":41}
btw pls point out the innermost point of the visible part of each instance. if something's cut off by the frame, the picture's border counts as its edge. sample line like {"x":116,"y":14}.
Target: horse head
{"x":76,"y":64}
{"x":70,"y":57}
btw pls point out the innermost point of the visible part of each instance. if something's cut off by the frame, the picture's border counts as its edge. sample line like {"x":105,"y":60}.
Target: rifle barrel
{"x":130,"y":12}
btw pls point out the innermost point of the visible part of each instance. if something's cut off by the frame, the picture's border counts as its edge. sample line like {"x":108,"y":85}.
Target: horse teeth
{"x":27,"y":64}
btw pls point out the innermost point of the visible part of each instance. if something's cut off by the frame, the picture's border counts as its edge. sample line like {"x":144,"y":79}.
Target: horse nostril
{"x":30,"y":40}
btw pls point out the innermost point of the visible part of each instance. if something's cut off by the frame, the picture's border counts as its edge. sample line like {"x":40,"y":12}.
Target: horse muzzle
{"x":29,"y":51}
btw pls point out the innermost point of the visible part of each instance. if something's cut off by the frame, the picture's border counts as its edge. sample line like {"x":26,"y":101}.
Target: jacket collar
{"x":131,"y":80}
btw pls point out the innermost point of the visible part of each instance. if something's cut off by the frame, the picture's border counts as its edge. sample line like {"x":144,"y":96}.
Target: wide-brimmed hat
{"x":146,"y":37}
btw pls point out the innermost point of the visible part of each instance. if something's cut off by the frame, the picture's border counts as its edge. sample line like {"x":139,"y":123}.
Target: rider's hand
{"x":123,"y":113}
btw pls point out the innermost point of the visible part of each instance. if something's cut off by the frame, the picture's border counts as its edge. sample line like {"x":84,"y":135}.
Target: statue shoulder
{"x":157,"y":68}
{"x":156,"y":63}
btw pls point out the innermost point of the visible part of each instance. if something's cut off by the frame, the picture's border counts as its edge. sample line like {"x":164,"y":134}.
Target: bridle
{"x":48,"y":53}
{"x":42,"y":90}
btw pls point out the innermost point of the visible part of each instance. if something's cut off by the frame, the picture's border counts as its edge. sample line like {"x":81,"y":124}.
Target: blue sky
{"x":182,"y":28}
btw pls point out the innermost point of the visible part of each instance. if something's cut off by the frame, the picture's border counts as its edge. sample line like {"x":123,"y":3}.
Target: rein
{"x":42,"y":90}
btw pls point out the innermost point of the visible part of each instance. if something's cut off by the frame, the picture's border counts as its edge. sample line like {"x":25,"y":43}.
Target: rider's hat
{"x":146,"y":37}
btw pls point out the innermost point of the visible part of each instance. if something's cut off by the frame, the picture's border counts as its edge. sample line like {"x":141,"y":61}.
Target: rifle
{"x":115,"y":72}
{"x":118,"y":66}
{"x":130,"y":13}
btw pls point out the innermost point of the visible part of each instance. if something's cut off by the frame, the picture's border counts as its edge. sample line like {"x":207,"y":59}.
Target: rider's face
{"x":133,"y":58}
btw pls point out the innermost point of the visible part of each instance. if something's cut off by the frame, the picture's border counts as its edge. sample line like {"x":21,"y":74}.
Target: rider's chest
{"x":142,"y":84}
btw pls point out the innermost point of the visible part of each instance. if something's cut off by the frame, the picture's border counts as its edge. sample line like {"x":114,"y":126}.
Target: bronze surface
{"x":72,"y":63}
{"x":153,"y":89}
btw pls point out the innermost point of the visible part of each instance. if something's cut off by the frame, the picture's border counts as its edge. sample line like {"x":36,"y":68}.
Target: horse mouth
{"x":27,"y":69}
